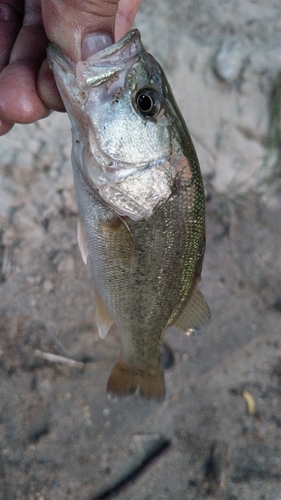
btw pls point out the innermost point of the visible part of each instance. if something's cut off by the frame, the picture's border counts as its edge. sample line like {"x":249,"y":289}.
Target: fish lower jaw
{"x":107,"y":172}
{"x":100,"y":171}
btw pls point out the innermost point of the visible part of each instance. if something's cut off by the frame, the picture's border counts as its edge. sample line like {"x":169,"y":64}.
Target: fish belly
{"x":143,"y":272}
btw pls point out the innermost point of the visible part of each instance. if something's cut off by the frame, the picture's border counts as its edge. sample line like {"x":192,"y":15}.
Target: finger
{"x":126,"y":14}
{"x":11,"y":14}
{"x":5,"y":127}
{"x":47,"y":89}
{"x":68,"y":21}
{"x":19,"y":100}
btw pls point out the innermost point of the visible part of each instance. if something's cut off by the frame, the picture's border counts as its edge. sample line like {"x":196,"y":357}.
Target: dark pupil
{"x":145,"y":102}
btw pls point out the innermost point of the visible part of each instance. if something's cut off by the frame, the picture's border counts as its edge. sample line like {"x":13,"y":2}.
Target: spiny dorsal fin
{"x":82,"y":242}
{"x":103,"y":318}
{"x":195,"y":313}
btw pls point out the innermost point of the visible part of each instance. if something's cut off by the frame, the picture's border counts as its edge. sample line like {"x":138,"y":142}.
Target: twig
{"x":55,"y":358}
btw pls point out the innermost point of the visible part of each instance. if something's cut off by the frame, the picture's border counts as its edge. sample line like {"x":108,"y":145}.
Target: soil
{"x":217,"y":435}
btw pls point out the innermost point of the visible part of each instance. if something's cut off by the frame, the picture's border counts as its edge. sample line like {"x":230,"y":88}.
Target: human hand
{"x":27,"y":88}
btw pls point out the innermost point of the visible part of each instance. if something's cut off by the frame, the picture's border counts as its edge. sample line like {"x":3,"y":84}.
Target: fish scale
{"x":141,"y":205}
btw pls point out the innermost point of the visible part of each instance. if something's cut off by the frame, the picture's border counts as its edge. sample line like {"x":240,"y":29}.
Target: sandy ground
{"x":217,"y":435}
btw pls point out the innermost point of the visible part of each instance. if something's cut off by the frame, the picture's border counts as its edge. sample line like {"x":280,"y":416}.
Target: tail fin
{"x":125,"y":379}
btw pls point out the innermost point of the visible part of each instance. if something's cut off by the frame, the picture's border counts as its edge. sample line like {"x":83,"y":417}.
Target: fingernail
{"x":93,"y":43}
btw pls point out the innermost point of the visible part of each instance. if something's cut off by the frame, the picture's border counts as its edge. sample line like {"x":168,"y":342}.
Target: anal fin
{"x":125,"y":379}
{"x":195,"y":314}
{"x":103,"y":318}
{"x":82,"y":241}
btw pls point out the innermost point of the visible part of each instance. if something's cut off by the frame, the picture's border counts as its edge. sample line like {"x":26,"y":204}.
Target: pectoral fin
{"x":119,"y":233}
{"x":195,"y":313}
{"x":103,"y":318}
{"x":82,"y":242}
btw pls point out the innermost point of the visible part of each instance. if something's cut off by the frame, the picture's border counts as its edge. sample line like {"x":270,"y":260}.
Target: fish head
{"x":118,"y":101}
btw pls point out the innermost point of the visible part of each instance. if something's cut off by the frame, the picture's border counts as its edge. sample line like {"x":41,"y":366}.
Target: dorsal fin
{"x":195,"y":313}
{"x":103,"y":318}
{"x":82,"y":241}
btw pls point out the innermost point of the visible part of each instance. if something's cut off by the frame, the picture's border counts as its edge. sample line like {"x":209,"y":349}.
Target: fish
{"x":141,"y":204}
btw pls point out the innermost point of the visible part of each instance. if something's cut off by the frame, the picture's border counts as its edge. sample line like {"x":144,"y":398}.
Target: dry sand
{"x":218,"y":433}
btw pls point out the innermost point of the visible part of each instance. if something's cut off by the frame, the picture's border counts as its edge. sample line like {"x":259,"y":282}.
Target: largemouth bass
{"x":140,"y":200}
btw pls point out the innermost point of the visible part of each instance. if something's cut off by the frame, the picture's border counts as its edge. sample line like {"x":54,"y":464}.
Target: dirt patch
{"x":217,"y":434}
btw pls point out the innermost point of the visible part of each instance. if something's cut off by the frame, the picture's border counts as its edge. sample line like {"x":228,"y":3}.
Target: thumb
{"x":67,"y":22}
{"x":70,"y":24}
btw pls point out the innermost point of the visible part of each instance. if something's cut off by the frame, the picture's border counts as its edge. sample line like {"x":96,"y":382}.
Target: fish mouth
{"x":75,"y":79}
{"x":102,"y":65}
{"x":126,"y":48}
{"x":107,"y":176}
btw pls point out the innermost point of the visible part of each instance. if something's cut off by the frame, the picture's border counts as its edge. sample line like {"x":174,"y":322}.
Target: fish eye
{"x":148,"y":102}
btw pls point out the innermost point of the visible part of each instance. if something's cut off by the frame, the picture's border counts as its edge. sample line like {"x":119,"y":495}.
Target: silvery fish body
{"x":140,"y":200}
